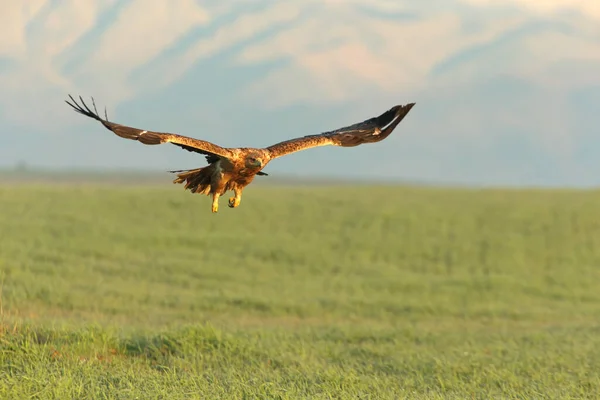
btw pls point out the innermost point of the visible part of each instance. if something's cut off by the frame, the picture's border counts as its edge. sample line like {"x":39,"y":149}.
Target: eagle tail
{"x":196,"y":180}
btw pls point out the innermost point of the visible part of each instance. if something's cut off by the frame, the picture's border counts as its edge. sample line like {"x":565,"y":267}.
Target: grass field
{"x":111,"y":292}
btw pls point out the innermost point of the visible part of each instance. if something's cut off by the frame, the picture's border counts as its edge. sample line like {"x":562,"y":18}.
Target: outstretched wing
{"x":370,"y":131}
{"x":210,"y":150}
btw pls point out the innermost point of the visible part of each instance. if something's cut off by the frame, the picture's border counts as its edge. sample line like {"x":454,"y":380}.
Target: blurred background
{"x":507,"y":92}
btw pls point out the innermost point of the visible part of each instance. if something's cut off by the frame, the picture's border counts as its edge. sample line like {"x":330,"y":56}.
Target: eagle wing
{"x":369,"y":131}
{"x":210,"y":150}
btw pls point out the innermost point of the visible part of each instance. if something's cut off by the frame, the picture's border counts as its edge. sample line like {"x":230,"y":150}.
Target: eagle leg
{"x":215,"y":202}
{"x":235,"y":201}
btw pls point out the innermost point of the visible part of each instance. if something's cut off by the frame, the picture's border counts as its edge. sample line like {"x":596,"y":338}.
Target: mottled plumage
{"x":235,"y":168}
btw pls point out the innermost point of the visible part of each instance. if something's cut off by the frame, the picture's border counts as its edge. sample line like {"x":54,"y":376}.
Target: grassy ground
{"x":302,"y":292}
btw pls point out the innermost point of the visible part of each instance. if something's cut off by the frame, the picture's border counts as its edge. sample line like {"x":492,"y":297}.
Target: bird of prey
{"x":235,"y":168}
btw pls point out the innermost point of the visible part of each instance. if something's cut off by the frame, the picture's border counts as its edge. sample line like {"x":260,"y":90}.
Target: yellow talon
{"x":215,"y":208}
{"x":233,"y":202}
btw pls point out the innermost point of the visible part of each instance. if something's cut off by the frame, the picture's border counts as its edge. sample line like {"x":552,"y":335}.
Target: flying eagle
{"x":235,"y":168}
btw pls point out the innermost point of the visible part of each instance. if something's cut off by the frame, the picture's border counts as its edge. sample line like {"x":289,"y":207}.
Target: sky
{"x":507,"y":91}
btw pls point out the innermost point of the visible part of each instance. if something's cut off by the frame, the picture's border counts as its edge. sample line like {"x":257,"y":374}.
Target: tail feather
{"x":196,"y":180}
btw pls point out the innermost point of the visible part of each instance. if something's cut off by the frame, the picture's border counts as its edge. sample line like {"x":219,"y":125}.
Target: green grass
{"x":302,"y":292}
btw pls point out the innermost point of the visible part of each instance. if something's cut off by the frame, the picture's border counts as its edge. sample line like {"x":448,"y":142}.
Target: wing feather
{"x":369,"y":131}
{"x":210,"y":150}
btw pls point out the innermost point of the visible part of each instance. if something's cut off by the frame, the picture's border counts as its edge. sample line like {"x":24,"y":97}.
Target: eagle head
{"x":254,"y":160}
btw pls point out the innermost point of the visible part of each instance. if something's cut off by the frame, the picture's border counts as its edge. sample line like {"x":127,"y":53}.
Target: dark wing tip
{"x":394,"y":112}
{"x":85,"y":110}
{"x":388,"y":121}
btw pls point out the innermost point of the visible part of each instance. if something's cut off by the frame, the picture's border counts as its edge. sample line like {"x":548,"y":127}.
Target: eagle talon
{"x":233,"y":203}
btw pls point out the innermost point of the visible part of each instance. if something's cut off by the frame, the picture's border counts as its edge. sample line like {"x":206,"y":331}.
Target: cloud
{"x":242,"y":28}
{"x":62,"y":26}
{"x":42,"y":35}
{"x":139,"y":34}
{"x":549,"y":49}
{"x":310,"y":56}
{"x":590,"y":9}
{"x":349,"y":57}
{"x":14,"y":18}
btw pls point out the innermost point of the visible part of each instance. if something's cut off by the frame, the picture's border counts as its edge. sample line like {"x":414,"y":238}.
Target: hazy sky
{"x":507,"y":91}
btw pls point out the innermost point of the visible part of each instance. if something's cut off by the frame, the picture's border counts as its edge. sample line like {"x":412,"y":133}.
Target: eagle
{"x":232,"y":169}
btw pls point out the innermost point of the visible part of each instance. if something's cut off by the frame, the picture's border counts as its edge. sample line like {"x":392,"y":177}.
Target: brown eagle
{"x":234,"y":168}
